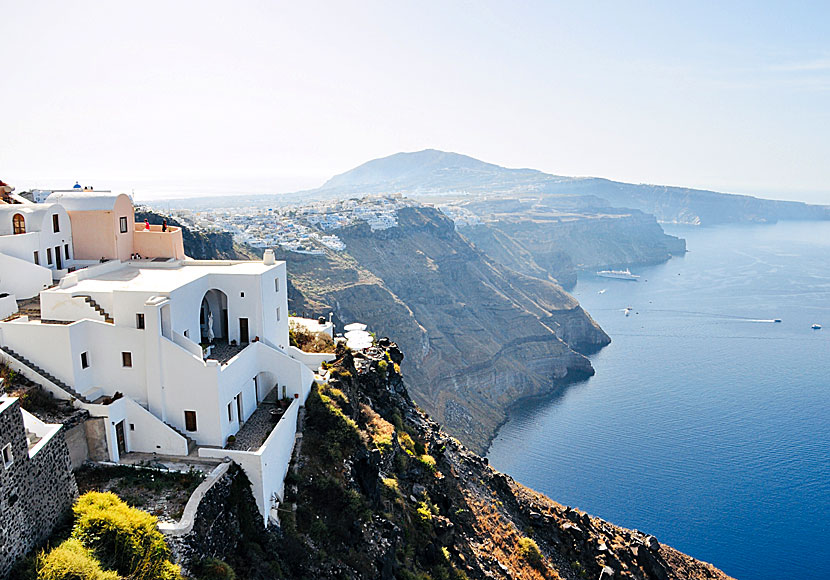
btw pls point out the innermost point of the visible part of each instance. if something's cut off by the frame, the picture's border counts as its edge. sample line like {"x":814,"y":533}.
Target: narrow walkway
{"x":171,"y":462}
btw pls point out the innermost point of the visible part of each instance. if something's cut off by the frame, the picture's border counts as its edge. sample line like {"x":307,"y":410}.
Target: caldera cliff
{"x":479,"y":335}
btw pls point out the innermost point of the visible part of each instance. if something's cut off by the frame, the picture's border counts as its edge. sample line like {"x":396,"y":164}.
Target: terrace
{"x":259,"y":425}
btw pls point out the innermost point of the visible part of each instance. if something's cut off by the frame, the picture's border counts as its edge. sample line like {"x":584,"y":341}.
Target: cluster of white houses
{"x":175,"y":354}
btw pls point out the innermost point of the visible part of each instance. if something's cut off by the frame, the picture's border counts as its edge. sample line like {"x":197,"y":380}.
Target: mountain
{"x":429,"y":170}
{"x":432,"y":173}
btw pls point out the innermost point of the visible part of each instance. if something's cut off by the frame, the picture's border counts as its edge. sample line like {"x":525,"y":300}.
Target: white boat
{"x":618,"y":274}
{"x":816,"y":327}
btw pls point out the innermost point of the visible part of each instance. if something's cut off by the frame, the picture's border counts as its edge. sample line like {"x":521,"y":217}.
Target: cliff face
{"x":556,"y":236}
{"x":378,"y":490}
{"x":479,"y":335}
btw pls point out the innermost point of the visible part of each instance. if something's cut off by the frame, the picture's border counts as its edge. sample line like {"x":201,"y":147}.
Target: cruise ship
{"x":618,"y":274}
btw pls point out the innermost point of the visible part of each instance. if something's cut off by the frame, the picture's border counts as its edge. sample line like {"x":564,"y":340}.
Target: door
{"x":190,"y":420}
{"x":58,"y":260}
{"x":239,"y":416}
{"x":243,"y":331}
{"x":120,"y":438}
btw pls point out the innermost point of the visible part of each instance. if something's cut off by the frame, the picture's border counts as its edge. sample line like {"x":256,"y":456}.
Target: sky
{"x":178,"y":98}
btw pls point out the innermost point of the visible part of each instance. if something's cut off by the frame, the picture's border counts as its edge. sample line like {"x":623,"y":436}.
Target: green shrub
{"x":338,"y":433}
{"x":71,"y":561}
{"x":427,"y":461}
{"x":529,"y":551}
{"x":214,"y":569}
{"x":122,"y":538}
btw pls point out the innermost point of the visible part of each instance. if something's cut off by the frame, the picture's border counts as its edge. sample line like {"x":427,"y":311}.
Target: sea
{"x":707,"y":423}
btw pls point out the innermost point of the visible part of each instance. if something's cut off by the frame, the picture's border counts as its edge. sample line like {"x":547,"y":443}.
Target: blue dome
{"x":76,"y":186}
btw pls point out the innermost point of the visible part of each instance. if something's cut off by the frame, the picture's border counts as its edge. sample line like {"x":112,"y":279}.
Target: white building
{"x":175,"y":353}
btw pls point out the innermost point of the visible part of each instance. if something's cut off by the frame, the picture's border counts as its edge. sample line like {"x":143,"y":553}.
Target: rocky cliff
{"x":377,"y":490}
{"x":480,"y":335}
{"x":546,"y":237}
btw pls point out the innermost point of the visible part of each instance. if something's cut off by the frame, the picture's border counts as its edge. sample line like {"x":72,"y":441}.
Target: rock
{"x":418,"y":489}
{"x":533,"y":515}
{"x":652,"y":543}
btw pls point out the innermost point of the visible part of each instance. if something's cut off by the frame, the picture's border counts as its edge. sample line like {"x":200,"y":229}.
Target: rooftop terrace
{"x":147,"y":276}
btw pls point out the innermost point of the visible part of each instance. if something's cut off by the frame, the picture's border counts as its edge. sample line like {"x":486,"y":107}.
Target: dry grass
{"x":379,"y":428}
{"x":502,"y":541}
{"x":308,"y":341}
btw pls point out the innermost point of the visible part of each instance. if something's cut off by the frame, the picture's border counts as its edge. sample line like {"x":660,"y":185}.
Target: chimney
{"x":268,"y":258}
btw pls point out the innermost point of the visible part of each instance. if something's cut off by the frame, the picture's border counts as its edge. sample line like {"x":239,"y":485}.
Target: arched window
{"x":18,"y":224}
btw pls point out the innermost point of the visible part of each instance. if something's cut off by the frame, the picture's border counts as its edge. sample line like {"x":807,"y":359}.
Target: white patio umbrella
{"x":357,"y":334}
{"x":210,"y":327}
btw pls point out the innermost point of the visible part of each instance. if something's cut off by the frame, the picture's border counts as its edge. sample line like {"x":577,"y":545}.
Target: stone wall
{"x":37,"y":492}
{"x":227,"y":515}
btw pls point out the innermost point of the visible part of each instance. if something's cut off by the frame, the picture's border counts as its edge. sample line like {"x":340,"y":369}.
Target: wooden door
{"x":190,"y":420}
{"x":120,"y":438}
{"x":58,"y":258}
{"x":243,"y":331}
{"x":239,"y":416}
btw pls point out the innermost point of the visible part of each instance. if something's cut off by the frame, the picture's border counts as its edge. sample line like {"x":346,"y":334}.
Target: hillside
{"x":378,"y":490}
{"x":479,"y":335}
{"x":431,"y":173}
{"x":201,"y":245}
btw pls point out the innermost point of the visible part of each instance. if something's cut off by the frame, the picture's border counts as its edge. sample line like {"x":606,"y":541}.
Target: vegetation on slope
{"x":109,"y":540}
{"x":307,"y":341}
{"x":378,"y":490}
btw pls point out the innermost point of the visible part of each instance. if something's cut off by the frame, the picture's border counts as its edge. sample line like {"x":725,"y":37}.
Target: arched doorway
{"x":213,"y":316}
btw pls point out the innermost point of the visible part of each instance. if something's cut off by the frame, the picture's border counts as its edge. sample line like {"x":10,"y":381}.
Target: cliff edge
{"x":379,"y":490}
{"x":480,"y":335}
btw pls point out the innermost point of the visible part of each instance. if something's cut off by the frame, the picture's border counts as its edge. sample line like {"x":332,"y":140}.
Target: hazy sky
{"x":270,"y":96}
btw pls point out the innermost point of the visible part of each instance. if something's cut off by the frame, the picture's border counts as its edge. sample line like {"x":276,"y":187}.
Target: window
{"x":37,"y":258}
{"x":132,"y":426}
{"x":278,"y":314}
{"x":230,"y":412}
{"x":18,"y":224}
{"x":276,"y":284}
{"x":126,"y":359}
{"x":8,"y":459}
{"x":56,"y":224}
{"x":139,"y":321}
{"x":190,"y":420}
{"x":185,"y":333}
{"x":122,"y":222}
{"x":66,"y":251}
{"x":49,"y":256}
{"x":242,"y":295}
{"x":84,"y":360}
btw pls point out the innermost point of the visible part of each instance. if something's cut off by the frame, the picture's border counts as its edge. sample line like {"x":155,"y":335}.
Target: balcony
{"x":155,"y":243}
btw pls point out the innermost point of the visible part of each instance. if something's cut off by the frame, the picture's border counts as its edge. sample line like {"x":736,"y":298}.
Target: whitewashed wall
{"x":266,"y":467}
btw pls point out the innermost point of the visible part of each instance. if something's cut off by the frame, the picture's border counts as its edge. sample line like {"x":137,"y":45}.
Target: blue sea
{"x":707,"y":424}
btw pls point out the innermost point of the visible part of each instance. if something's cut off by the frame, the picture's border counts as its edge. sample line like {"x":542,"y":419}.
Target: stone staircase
{"x":31,"y":439}
{"x":43,"y":373}
{"x":97,"y":307}
{"x":191,"y":444}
